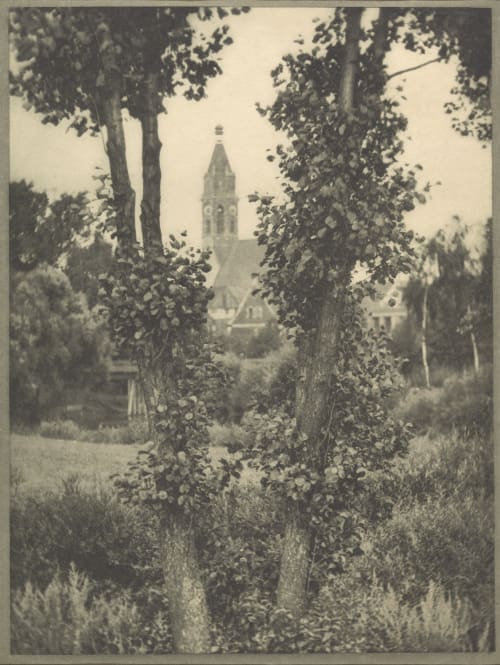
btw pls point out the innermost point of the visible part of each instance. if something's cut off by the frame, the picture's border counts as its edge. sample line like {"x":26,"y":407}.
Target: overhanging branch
{"x":412,"y":69}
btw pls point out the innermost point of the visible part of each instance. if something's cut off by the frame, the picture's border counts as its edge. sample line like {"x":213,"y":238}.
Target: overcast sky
{"x":58,"y":161}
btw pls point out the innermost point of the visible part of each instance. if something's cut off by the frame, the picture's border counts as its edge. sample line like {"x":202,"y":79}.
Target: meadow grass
{"x":39,"y":463}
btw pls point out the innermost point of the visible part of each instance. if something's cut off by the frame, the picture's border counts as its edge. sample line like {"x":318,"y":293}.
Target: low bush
{"x":113,"y":544}
{"x":464,"y":403}
{"x":66,"y":618}
{"x":444,"y":466}
{"x":136,"y":431}
{"x":232,"y":436}
{"x":450,"y":541}
{"x":348,"y":617}
{"x":61,"y":429}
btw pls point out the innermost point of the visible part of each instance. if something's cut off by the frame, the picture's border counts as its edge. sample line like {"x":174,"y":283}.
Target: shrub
{"x":136,"y":431}
{"x":111,"y":543}
{"x":61,"y":429}
{"x":239,"y":541}
{"x":448,"y":540}
{"x":348,"y":617}
{"x":445,"y":466}
{"x":464,"y":403}
{"x":66,"y":619}
{"x":232,"y":436}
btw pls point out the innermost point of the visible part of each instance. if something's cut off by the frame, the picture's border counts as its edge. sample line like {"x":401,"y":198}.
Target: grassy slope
{"x":40,"y":463}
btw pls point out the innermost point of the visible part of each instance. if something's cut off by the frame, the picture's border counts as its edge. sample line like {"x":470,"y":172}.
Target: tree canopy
{"x":43,"y":231}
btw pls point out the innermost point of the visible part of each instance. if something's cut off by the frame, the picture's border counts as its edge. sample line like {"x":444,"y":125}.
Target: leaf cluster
{"x":60,"y":54}
{"x":359,"y":438}
{"x":157,"y":304}
{"x":344,"y":192}
{"x":41,"y":231}
{"x":464,"y":33}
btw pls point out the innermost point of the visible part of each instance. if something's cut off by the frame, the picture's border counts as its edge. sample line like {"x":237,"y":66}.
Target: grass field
{"x":40,"y":463}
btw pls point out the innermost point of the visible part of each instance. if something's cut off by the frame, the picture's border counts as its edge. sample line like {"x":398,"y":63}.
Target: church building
{"x":233,"y":310}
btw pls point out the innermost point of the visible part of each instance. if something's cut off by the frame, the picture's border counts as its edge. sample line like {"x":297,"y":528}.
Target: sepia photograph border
{"x":375,"y":658}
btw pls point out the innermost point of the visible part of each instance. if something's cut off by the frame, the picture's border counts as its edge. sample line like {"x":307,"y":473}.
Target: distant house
{"x":387,"y":309}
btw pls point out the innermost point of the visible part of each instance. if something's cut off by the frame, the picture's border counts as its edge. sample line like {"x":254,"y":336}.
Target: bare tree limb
{"x":412,"y":69}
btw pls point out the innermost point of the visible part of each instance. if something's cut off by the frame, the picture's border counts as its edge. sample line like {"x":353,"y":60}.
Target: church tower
{"x":219,"y":203}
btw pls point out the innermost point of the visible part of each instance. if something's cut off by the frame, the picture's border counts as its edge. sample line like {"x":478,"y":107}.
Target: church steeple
{"x":219,"y":203}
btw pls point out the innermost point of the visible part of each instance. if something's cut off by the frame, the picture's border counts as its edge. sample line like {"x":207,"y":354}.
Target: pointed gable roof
{"x":219,"y":163}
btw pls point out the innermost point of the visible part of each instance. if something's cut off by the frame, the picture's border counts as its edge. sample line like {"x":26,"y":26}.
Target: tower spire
{"x":219,"y":202}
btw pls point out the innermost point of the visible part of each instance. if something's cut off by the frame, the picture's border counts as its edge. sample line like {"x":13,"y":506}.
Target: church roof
{"x":243,"y":260}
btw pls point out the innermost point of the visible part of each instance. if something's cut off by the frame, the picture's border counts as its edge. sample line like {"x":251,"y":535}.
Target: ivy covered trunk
{"x":316,"y":358}
{"x":184,"y":587}
{"x":186,"y":596}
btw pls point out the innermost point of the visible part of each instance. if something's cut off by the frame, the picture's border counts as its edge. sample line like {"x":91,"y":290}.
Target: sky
{"x":58,"y":161}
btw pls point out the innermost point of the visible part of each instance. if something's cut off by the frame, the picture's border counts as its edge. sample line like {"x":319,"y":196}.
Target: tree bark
{"x":110,"y":103}
{"x":151,"y":171}
{"x":316,"y":357}
{"x":185,"y":590}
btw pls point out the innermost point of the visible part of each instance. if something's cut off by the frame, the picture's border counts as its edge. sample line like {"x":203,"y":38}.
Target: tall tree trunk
{"x":151,"y":171}
{"x":185,"y":591}
{"x":316,"y":358}
{"x":110,"y":105}
{"x":424,"y":338}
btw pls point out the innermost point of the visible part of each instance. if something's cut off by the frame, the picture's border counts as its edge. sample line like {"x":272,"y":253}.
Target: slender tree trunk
{"x":424,"y":338}
{"x":316,"y":358}
{"x":110,"y":104}
{"x":151,"y":171}
{"x":475,"y":353}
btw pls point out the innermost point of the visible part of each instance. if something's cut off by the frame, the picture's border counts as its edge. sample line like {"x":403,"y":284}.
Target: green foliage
{"x":61,"y":52}
{"x":266,"y":340}
{"x":424,"y":583}
{"x":55,"y":343}
{"x":157,"y":308}
{"x":239,"y":541}
{"x":459,"y":296}
{"x":85,"y":264}
{"x":345,"y":192}
{"x":464,"y":403}
{"x":449,"y":541}
{"x":66,"y":618}
{"x":42,"y":232}
{"x":349,"y":618}
{"x":156,"y":302}
{"x":464,"y":33}
{"x":360,"y":438}
{"x":110,"y":543}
